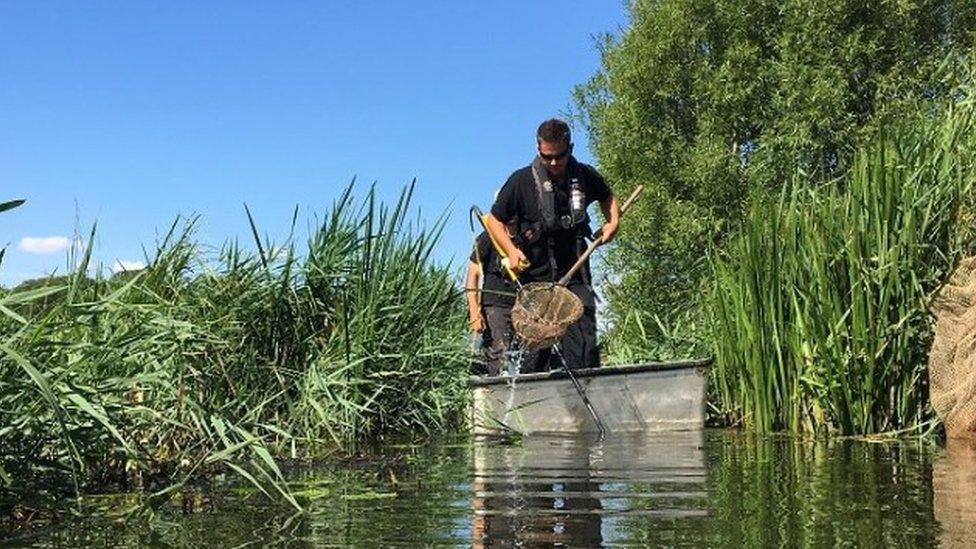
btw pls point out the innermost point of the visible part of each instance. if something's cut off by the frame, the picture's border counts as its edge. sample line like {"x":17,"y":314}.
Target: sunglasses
{"x":551,"y":157}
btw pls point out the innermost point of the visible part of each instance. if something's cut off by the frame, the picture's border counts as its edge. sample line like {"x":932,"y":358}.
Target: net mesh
{"x":542,"y":313}
{"x":952,"y":360}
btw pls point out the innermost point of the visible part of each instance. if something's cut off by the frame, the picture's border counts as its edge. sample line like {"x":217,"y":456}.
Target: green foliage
{"x":709,"y":103}
{"x":633,"y":343}
{"x":199,"y":363}
{"x":821,"y":302}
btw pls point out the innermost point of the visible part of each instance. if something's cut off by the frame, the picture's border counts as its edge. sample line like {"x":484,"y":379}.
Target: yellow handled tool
{"x":483,"y":220}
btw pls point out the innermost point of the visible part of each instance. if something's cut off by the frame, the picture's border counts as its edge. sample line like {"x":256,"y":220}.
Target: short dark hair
{"x":553,"y":130}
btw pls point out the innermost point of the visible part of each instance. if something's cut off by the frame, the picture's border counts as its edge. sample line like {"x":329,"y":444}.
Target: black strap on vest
{"x":547,"y":195}
{"x":547,"y":209}
{"x":546,"y":190}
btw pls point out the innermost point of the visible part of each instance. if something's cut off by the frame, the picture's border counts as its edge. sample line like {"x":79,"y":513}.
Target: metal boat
{"x":657,"y":396}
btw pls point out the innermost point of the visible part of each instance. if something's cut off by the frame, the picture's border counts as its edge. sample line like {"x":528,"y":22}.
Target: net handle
{"x":597,"y":240}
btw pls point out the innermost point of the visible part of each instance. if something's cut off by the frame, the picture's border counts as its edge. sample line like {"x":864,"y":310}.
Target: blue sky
{"x":129,"y":113}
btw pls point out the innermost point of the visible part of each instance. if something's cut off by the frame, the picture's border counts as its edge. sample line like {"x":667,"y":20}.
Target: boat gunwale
{"x":621,"y":369}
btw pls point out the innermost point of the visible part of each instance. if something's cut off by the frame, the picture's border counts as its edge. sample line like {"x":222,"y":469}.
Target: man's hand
{"x":477,"y":323}
{"x":608,"y":231}
{"x":517,"y":260}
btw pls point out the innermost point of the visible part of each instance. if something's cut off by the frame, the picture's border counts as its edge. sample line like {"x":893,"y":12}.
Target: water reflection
{"x":717,"y":489}
{"x":781,"y":491}
{"x":582,"y":491}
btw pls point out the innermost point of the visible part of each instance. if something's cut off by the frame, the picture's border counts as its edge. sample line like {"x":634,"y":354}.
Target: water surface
{"x":717,"y":489}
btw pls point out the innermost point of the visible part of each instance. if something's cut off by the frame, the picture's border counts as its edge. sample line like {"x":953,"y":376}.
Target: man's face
{"x":555,"y":155}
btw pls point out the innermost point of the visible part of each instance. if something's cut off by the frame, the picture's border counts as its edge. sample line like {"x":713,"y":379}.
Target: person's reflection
{"x":954,"y":498}
{"x":539,"y":493}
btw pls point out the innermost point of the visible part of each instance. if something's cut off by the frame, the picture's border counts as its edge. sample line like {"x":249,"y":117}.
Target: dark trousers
{"x":499,"y":321}
{"x":578,"y":345}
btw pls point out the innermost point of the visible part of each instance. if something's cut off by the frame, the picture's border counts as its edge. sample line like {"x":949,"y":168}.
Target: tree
{"x":709,"y":103}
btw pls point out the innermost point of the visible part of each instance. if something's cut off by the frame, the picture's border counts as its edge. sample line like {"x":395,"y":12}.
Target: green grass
{"x":230,"y":359}
{"x":820,"y":304}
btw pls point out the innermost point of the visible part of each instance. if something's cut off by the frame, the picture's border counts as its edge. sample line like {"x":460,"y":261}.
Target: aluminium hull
{"x":660,"y":396}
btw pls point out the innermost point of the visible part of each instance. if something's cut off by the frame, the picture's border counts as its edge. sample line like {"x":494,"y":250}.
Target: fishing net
{"x":542,"y":313}
{"x":952,"y":360}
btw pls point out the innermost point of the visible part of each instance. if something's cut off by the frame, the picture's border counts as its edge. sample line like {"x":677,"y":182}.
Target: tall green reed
{"x":229,"y":360}
{"x":820,"y":303}
{"x":397,"y":323}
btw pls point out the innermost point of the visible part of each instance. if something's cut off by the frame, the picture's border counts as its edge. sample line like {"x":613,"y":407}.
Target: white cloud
{"x":126,"y":265}
{"x":44,"y":244}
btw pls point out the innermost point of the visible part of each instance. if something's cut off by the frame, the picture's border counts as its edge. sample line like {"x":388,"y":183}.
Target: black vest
{"x":557,"y":235}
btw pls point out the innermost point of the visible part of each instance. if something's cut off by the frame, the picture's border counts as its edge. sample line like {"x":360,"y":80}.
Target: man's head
{"x":554,"y":143}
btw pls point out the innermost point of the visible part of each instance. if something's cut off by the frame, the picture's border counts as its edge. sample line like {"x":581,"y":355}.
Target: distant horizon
{"x":131,"y":115}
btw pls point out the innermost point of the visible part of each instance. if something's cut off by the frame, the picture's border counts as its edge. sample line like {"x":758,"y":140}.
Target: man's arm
{"x":471,"y":290}
{"x":516,"y":259}
{"x":611,"y":212}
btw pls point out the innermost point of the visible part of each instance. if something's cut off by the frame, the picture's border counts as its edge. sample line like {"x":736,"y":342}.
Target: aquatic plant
{"x":229,"y":360}
{"x":820,"y":303}
{"x":643,"y":337}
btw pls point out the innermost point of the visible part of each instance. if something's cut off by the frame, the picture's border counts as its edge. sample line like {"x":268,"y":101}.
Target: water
{"x":717,"y":489}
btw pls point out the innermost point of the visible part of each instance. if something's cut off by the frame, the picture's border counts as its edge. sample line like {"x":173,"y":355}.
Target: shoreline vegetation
{"x":716,"y":106}
{"x":809,"y":174}
{"x":821,"y":303}
{"x":152,"y":379}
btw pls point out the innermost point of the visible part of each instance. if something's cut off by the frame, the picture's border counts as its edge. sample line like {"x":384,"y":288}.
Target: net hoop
{"x":543,"y":312}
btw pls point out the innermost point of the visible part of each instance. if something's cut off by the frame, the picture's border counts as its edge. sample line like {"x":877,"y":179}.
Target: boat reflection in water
{"x":582,"y":490}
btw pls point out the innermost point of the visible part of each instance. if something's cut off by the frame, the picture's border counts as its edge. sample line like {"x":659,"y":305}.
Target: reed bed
{"x":820,"y":304}
{"x":230,"y":359}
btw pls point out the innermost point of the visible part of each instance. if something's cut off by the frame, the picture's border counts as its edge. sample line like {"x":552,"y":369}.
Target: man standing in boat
{"x":547,"y":202}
